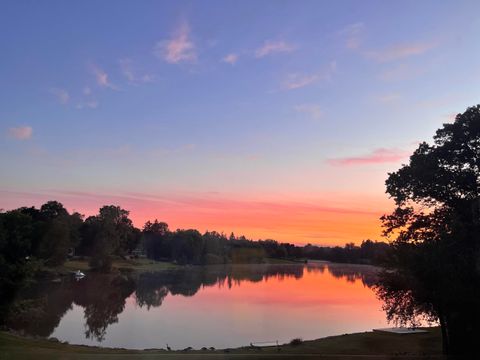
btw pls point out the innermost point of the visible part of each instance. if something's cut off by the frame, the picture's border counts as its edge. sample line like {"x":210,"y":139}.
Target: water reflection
{"x":39,"y":310}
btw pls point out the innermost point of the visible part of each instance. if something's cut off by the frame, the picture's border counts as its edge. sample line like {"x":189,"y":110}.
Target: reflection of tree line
{"x":367,"y":274}
{"x":103,"y":296}
{"x":40,"y":309}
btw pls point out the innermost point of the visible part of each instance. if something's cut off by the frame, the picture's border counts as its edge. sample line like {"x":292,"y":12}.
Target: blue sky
{"x":278,"y":102}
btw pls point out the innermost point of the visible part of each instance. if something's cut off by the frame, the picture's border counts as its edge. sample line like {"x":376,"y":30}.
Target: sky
{"x":272,"y":119}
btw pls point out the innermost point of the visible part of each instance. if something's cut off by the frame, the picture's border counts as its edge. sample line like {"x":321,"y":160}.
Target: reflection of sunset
{"x":314,"y":305}
{"x":304,"y":291}
{"x":224,"y":306}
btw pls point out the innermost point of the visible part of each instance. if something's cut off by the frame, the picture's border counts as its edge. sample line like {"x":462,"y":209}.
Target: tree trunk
{"x":445,"y":339}
{"x":462,"y":333}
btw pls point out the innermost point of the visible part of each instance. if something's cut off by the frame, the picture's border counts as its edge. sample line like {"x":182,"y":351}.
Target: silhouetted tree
{"x":156,"y":240}
{"x":113,"y":233}
{"x":434,"y":268}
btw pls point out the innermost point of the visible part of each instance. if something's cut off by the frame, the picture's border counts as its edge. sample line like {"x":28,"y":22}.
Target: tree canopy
{"x":434,"y":270}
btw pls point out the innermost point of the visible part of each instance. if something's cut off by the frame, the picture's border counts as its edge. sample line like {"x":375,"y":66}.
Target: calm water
{"x":209,"y":306}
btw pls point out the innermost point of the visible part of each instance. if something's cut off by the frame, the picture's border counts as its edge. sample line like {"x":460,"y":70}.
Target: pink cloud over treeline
{"x":378,"y":156}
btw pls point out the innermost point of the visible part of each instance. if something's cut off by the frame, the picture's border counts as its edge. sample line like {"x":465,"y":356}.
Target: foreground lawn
{"x":369,"y":345}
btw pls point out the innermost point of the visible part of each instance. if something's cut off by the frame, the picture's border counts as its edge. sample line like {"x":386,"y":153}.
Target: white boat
{"x":78,"y":274}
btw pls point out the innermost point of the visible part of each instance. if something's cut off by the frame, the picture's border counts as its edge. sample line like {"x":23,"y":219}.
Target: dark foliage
{"x":434,"y":269}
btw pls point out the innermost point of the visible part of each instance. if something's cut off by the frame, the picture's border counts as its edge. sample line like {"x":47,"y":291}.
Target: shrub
{"x":296,"y":342}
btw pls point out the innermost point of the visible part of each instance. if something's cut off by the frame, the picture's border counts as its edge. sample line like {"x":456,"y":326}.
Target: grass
{"x":139,"y":265}
{"x":368,"y":345}
{"x":136,"y":265}
{"x":143,"y":265}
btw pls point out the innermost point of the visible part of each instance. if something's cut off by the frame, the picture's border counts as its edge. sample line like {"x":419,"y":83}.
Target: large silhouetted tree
{"x":435,"y":266}
{"x":113,"y":234}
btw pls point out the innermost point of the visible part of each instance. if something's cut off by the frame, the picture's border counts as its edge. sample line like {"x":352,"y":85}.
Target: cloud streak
{"x":20,"y":132}
{"x":102,"y":78}
{"x":230,"y":59}
{"x":272,"y":47}
{"x":400,"y":51}
{"x":378,"y":156}
{"x":298,"y":80}
{"x":179,"y":48}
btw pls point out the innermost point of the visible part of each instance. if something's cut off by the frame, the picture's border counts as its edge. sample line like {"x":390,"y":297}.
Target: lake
{"x":219,"y":306}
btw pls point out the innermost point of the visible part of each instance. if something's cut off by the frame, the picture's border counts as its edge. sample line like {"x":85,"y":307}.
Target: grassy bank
{"x":133,"y":265}
{"x":136,"y":265}
{"x":368,"y":345}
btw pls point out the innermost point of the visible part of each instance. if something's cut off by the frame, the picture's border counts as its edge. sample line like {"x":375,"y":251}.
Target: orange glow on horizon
{"x":331,"y":219}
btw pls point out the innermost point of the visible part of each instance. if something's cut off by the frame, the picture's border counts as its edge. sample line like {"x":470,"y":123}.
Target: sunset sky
{"x":272,"y":119}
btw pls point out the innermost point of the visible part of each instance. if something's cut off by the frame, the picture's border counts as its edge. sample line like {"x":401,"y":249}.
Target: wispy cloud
{"x":378,"y":156}
{"x":20,"y":132}
{"x":298,"y":80}
{"x":272,"y":47}
{"x":61,"y":94}
{"x":129,"y":71}
{"x":102,"y":78}
{"x":400,"y":51}
{"x":87,"y":91}
{"x":353,"y":35}
{"x":314,"y":111}
{"x":179,"y":48}
{"x":230,"y":59}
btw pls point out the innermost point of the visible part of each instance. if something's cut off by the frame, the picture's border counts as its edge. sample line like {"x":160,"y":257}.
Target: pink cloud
{"x":21,"y":132}
{"x":378,"y":156}
{"x":297,"y":80}
{"x":400,"y":51}
{"x":102,"y":78}
{"x":180,"y":48}
{"x":230,"y":59}
{"x":272,"y":47}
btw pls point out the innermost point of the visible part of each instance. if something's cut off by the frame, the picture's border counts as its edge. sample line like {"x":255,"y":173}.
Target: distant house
{"x":139,"y":251}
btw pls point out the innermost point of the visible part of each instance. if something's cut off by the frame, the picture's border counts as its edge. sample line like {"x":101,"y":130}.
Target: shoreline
{"x":367,"y":345}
